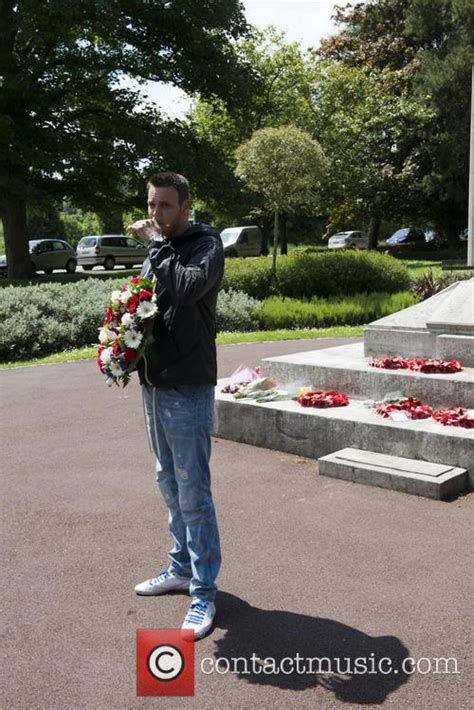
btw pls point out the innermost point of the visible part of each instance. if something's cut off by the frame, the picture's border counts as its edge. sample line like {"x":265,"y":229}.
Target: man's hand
{"x":145,"y":229}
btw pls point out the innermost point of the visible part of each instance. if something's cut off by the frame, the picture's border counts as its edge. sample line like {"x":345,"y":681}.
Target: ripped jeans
{"x":180,"y":421}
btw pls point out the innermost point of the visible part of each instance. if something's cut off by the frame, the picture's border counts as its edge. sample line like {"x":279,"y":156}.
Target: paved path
{"x":312,"y":566}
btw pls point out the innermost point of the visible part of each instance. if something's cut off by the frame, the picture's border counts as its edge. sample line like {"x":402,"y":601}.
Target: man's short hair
{"x":179,"y":182}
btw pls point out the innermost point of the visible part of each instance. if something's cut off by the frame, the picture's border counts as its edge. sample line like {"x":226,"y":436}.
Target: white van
{"x":242,"y":241}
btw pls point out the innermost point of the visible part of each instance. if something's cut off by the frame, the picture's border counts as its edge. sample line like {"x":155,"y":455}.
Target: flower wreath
{"x":454,"y":416}
{"x":323,"y":400}
{"x":423,"y":365}
{"x":415,"y":408}
{"x":126,"y":330}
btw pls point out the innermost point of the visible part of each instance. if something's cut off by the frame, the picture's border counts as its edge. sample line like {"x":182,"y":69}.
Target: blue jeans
{"x":180,"y":422}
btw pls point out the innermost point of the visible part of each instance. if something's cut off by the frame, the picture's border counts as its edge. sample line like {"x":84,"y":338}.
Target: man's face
{"x":164,"y":208}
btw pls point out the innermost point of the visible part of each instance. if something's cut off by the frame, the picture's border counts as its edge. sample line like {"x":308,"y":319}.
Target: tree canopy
{"x":68,"y":127}
{"x":285,"y":166}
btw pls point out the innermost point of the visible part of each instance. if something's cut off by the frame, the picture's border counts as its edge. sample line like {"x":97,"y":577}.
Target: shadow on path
{"x":282,"y":634}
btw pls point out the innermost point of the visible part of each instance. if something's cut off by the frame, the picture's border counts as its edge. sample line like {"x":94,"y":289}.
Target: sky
{"x":305,"y":21}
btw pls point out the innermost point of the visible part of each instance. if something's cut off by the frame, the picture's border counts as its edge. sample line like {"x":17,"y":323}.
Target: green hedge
{"x":42,"y":319}
{"x":37,"y":320}
{"x":306,"y":274}
{"x":276,"y":313}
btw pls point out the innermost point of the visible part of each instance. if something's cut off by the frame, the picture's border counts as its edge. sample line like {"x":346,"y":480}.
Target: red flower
{"x":135,"y":280}
{"x":116,"y":347}
{"x":414,"y":408}
{"x":389,"y":363}
{"x":132,"y":304}
{"x":416,"y":364}
{"x":323,"y":400}
{"x":454,"y":416}
{"x":130,"y":354}
{"x":145,"y":295}
{"x":108,"y":316}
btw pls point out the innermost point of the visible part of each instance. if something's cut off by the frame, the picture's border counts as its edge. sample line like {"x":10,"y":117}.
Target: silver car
{"x":348,"y":240}
{"x":110,"y":250}
{"x":47,"y":255}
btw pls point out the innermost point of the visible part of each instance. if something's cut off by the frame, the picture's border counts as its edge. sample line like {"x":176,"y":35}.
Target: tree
{"x":285,"y":166}
{"x":445,"y":29}
{"x":429,"y":44}
{"x":370,"y":128}
{"x":68,"y":127}
{"x":282,"y":95}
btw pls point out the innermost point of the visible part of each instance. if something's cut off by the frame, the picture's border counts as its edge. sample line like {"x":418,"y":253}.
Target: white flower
{"x":146,"y":309}
{"x":106,"y":335}
{"x":125,"y":295}
{"x":127,"y":320}
{"x":133,"y":339}
{"x":115,"y":370}
{"x":106,"y":356}
{"x":115,"y":296}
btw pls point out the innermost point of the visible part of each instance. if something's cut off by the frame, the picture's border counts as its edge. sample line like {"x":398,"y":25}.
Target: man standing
{"x":178,"y":375}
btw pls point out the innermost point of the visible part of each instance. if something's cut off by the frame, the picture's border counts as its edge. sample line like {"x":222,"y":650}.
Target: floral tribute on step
{"x":423,"y":365}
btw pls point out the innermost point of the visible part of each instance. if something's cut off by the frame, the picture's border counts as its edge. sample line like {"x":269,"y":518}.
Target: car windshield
{"x":401,"y":233}
{"x":229,"y":236}
{"x":88,"y":242}
{"x":340,"y":235}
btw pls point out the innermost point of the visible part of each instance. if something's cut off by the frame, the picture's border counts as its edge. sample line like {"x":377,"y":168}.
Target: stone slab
{"x":455,"y":314}
{"x":346,"y":368}
{"x":412,"y":476}
{"x":455,"y":346}
{"x":414,"y":331}
{"x":286,"y":426}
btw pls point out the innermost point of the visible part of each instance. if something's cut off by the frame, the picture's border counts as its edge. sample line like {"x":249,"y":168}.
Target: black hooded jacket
{"x":189,"y":271}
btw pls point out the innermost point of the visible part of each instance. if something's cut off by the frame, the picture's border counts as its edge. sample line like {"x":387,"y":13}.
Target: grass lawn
{"x":222,"y":339}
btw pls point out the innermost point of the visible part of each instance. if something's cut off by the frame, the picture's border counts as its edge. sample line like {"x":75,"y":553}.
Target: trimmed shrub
{"x":317,"y":273}
{"x":37,"y":320}
{"x":237,"y":312}
{"x":317,"y":313}
{"x":252,"y":275}
{"x":42,"y":319}
{"x":344,"y":272}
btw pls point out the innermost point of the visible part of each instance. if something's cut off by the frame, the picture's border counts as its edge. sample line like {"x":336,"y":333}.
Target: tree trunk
{"x":266,"y":228}
{"x":16,"y":241}
{"x":452,"y":233}
{"x":111,"y":222}
{"x":374,"y":230}
{"x":283,"y":233}
{"x":276,"y":230}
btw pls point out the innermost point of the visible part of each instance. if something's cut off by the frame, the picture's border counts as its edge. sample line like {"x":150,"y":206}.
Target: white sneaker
{"x":165,"y":581}
{"x":200,"y":617}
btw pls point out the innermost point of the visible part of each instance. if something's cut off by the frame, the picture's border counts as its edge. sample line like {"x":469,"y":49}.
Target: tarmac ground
{"x":312,"y":568}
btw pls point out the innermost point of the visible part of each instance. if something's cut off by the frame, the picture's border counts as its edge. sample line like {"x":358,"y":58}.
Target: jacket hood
{"x":194,"y":231}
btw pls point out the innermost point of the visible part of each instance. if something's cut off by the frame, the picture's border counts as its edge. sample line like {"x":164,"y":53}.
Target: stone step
{"x":346,"y":368}
{"x":287,"y":426}
{"x":421,"y":478}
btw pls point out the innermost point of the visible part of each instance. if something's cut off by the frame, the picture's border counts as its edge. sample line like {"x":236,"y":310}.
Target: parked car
{"x":407,"y":235}
{"x":242,"y":241}
{"x":110,"y":250}
{"x":348,"y":240}
{"x":47,"y":255}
